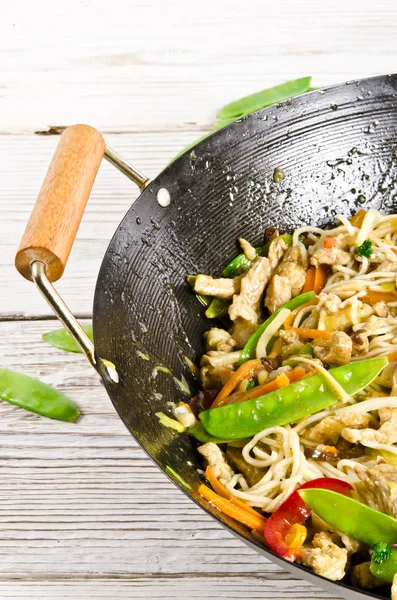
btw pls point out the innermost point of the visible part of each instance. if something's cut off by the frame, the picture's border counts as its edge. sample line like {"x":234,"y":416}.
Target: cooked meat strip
{"x":214,"y":377}
{"x":330,"y":256}
{"x":276,"y":252}
{"x":288,"y":280}
{"x":251,"y":473}
{"x":242,"y":331}
{"x":362,"y":577}
{"x":216,"y":460}
{"x":325,"y":557}
{"x":245,"y":305}
{"x":374,"y":487}
{"x":220,"y":288}
{"x":338,"y":351}
{"x":328,"y":430}
{"x":248,"y":250}
{"x":386,"y":434}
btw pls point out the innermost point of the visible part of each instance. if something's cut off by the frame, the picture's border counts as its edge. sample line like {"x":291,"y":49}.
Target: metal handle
{"x":56,"y":216}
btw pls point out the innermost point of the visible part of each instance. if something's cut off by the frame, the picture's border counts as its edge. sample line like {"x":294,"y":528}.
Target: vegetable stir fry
{"x":297,"y":417}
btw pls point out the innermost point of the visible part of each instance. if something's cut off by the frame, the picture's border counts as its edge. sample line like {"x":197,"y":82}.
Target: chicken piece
{"x":386,"y":434}
{"x":330,"y":256}
{"x":220,"y":288}
{"x":380,"y":309}
{"x":278,"y":293}
{"x":295,"y":274}
{"x":388,"y":266}
{"x":250,"y":473}
{"x":351,"y":544}
{"x":276,"y":252}
{"x":325,"y":557}
{"x":214,"y":377}
{"x":245,"y":305}
{"x":288,"y":280}
{"x":330,"y":302}
{"x":219,"y":339}
{"x":360,"y":341}
{"x":328,"y":430}
{"x":216,"y":460}
{"x":294,"y":255}
{"x":374,"y":487}
{"x":247,"y":248}
{"x":362,"y":577}
{"x":337,"y":351}
{"x":242,"y":331}
{"x":288,"y":336}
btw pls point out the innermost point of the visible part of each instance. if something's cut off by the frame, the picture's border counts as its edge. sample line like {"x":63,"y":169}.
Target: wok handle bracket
{"x":51,"y":230}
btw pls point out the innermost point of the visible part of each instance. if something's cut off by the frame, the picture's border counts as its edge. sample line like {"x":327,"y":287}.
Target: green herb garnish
{"x":176,"y":476}
{"x":365,"y":249}
{"x":381,"y":553}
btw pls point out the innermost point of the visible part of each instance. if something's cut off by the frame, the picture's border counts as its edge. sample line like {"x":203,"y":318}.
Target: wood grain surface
{"x":83,"y":512}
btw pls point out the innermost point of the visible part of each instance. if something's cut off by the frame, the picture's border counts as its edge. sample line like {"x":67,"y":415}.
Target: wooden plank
{"x":154,"y":66}
{"x":24,"y":163}
{"x":200,"y":588}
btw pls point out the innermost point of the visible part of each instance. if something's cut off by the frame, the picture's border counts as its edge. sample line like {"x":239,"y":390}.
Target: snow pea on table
{"x":290,"y":403}
{"x":34,"y":395}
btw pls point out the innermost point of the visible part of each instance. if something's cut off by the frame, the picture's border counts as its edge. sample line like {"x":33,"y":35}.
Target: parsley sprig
{"x":365,"y":249}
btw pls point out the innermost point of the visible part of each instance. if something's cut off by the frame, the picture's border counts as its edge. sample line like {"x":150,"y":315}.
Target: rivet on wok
{"x":163,"y":197}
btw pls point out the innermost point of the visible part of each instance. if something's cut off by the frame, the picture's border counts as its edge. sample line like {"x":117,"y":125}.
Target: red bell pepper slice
{"x":294,"y":510}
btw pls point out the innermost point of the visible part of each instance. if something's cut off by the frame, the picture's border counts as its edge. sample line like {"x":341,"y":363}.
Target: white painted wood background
{"x":83,"y":512}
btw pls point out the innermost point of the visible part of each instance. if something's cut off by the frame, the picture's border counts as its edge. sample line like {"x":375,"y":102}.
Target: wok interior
{"x":338,"y":150}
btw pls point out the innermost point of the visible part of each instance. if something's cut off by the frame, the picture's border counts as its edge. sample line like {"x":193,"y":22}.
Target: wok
{"x":338,"y":149}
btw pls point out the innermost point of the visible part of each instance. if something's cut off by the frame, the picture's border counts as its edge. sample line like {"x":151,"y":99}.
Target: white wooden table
{"x":83,"y":512}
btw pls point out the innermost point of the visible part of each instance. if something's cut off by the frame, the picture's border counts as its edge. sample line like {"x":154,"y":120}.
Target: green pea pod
{"x":384,"y":562}
{"x":351,"y":517}
{"x":205,"y":300}
{"x":249,"y":349}
{"x":36,"y":396}
{"x":61,"y":339}
{"x":202,"y":436}
{"x":288,"y":404}
{"x":218,"y":308}
{"x":241,"y":264}
{"x":249,"y":104}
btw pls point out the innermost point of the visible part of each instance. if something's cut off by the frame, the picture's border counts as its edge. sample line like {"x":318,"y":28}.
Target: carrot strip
{"x":320,"y":278}
{"x":222,"y":491}
{"x":394,"y":250}
{"x":310,"y":280}
{"x":329,"y":242}
{"x":372,"y":297}
{"x":312,"y":333}
{"x":240,"y":515}
{"x":281,"y":381}
{"x":291,"y":317}
{"x":392,"y":357}
{"x":276,"y":348}
{"x":358,"y":218}
{"x":243,"y":372}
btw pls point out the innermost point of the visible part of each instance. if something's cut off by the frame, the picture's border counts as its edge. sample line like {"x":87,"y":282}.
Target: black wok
{"x":338,"y":149}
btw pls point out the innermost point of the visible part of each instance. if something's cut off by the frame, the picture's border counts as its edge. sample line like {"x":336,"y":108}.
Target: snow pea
{"x":249,"y":104}
{"x":241,"y":264}
{"x":249,"y":349}
{"x":384,"y":562}
{"x":61,"y":339}
{"x":202,"y":436}
{"x":351,"y":517}
{"x":288,"y":404}
{"x":34,"y":395}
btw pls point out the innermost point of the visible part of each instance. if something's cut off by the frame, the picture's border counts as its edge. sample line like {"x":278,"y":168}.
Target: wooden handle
{"x":61,"y":202}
